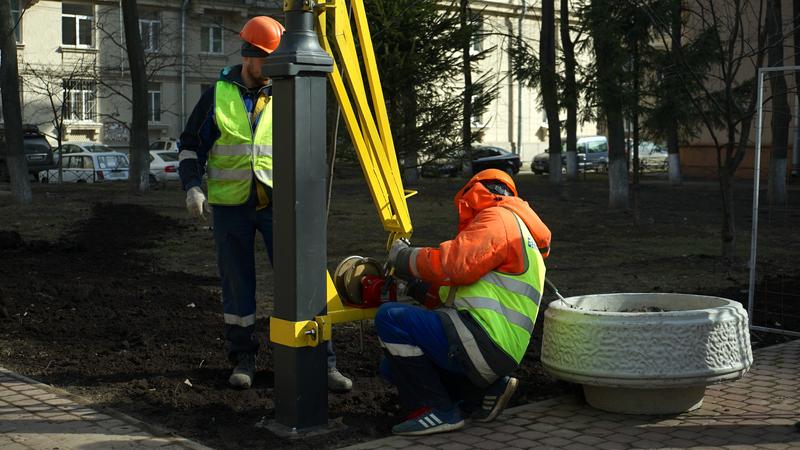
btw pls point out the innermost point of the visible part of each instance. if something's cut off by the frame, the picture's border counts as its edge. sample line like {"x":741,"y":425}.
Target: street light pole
{"x":298,"y":69}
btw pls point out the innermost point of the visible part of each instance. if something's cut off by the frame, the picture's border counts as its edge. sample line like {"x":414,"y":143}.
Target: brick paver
{"x":34,"y":416}
{"x":759,"y":411}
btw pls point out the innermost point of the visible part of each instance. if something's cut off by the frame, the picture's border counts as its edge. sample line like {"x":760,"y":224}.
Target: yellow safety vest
{"x":239,"y":153}
{"x":504,"y":305}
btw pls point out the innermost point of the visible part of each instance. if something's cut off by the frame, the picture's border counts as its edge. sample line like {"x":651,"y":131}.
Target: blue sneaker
{"x":434,"y":421}
{"x":496,"y":399}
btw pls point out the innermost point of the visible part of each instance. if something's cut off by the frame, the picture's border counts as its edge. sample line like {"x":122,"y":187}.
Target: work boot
{"x":496,"y":399}
{"x":433,"y":421}
{"x":338,"y":382}
{"x":243,"y":373}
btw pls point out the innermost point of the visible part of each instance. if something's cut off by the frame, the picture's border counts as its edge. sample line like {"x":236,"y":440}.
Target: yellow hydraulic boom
{"x":367,"y":123}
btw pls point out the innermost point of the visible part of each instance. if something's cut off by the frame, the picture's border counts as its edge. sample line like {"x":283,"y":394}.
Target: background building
{"x":73,"y":65}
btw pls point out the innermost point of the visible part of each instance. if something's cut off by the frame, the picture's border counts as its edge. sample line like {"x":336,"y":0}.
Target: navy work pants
{"x":419,"y":360}
{"x":235,"y":230}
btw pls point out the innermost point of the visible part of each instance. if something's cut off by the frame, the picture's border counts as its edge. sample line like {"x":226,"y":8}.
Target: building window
{"x":211,"y":36}
{"x":77,"y":24}
{"x":476,"y":41}
{"x":81,"y":100}
{"x":154,"y":103}
{"x":477,"y":116}
{"x":149,"y":29}
{"x":16,"y":14}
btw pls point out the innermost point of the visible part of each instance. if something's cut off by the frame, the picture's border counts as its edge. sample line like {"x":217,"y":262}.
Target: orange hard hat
{"x":261,"y":36}
{"x":489,"y":175}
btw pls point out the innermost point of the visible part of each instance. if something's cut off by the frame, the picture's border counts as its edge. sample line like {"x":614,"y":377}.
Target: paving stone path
{"x":34,"y":416}
{"x":758,"y":412}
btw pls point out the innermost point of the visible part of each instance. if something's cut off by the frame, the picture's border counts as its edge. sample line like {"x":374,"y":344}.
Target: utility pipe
{"x":519,"y":84}
{"x":184,"y":6}
{"x":122,"y":41}
{"x":796,"y":145}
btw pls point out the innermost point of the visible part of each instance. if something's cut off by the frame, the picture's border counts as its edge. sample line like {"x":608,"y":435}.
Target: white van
{"x":89,"y":167}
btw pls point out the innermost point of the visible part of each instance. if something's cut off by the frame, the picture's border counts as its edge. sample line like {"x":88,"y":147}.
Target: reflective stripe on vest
{"x":505,"y":305}
{"x":471,"y":347}
{"x":238,"y":155}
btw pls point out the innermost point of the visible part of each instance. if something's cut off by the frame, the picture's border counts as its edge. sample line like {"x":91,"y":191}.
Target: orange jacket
{"x":488,"y":237}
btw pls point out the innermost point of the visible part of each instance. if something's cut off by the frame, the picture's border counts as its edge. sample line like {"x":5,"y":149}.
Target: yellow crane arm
{"x":365,"y":117}
{"x":368,"y":125}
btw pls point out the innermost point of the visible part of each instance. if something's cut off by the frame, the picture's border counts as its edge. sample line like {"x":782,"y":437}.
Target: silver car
{"x":89,"y":167}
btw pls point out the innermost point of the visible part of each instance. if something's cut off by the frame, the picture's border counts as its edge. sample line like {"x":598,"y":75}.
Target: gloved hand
{"x":196,"y":203}
{"x":398,"y":245}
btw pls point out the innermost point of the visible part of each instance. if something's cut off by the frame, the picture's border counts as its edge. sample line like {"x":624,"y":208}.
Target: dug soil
{"x":115,"y":297}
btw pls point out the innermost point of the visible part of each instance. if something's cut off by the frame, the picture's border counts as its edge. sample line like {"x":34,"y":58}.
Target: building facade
{"x":74,"y":69}
{"x":516,"y":119}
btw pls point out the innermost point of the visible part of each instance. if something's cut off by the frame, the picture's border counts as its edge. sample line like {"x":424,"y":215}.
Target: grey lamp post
{"x":298,"y":69}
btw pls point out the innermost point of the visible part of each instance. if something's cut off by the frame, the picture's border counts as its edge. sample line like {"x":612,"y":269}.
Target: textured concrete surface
{"x":37,"y":416}
{"x":759,"y":411}
{"x":756,"y":412}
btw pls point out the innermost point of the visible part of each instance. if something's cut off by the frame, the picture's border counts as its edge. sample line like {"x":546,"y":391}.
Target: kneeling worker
{"x":485,"y":286}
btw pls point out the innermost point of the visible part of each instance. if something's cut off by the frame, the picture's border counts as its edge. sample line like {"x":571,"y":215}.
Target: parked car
{"x":651,"y":156}
{"x":592,"y":155}
{"x":38,"y":152}
{"x":495,"y":158}
{"x":168,"y":144}
{"x":88,"y":167}
{"x":441,"y":167}
{"x":70,"y":148}
{"x":163,"y":165}
{"x":483,"y":157}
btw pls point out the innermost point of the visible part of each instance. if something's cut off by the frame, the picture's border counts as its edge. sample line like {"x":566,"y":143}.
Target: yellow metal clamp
{"x":304,"y":333}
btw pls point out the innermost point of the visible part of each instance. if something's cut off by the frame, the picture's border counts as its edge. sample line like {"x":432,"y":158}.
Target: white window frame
{"x":476,"y":41}
{"x":207,"y":36}
{"x":150,"y":24}
{"x":153,"y":106}
{"x":16,"y":20}
{"x":83,"y":94}
{"x":78,"y":18}
{"x":476,"y":121}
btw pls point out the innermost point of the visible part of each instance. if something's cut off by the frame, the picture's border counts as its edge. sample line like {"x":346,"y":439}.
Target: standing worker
{"x":230,"y":131}
{"x":485,"y":286}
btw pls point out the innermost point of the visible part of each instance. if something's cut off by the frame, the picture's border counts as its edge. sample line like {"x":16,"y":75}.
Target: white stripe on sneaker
{"x":429,"y":421}
{"x":433,"y":416}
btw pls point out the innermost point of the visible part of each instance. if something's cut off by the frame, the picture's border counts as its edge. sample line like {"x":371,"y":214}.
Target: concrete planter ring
{"x":646,"y":353}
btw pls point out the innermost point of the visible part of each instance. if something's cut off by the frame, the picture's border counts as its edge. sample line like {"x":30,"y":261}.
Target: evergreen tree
{"x":419,"y":46}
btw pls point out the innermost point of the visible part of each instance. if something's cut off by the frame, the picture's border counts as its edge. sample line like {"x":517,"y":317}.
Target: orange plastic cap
{"x":262,"y":32}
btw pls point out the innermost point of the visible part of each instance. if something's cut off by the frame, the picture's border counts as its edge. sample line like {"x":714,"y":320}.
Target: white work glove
{"x":196,"y":203}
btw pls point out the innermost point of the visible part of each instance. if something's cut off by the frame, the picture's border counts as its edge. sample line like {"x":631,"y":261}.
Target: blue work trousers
{"x":419,"y":360}
{"x":235,"y":230}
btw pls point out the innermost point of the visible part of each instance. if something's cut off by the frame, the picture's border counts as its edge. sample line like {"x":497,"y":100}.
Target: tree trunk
{"x":411,"y":159}
{"x":637,"y":165}
{"x":547,"y":57}
{"x":610,"y":96}
{"x":728,"y":213}
{"x":635,"y":124}
{"x":673,"y":144}
{"x":466,"y":68}
{"x":570,"y":93}
{"x":617,"y":165}
{"x":139,"y":178}
{"x":781,"y":115}
{"x":796,"y":24}
{"x":12,"y":110}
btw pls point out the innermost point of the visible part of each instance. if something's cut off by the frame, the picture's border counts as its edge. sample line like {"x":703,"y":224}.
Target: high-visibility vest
{"x":504,"y":305}
{"x":239,"y":153}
